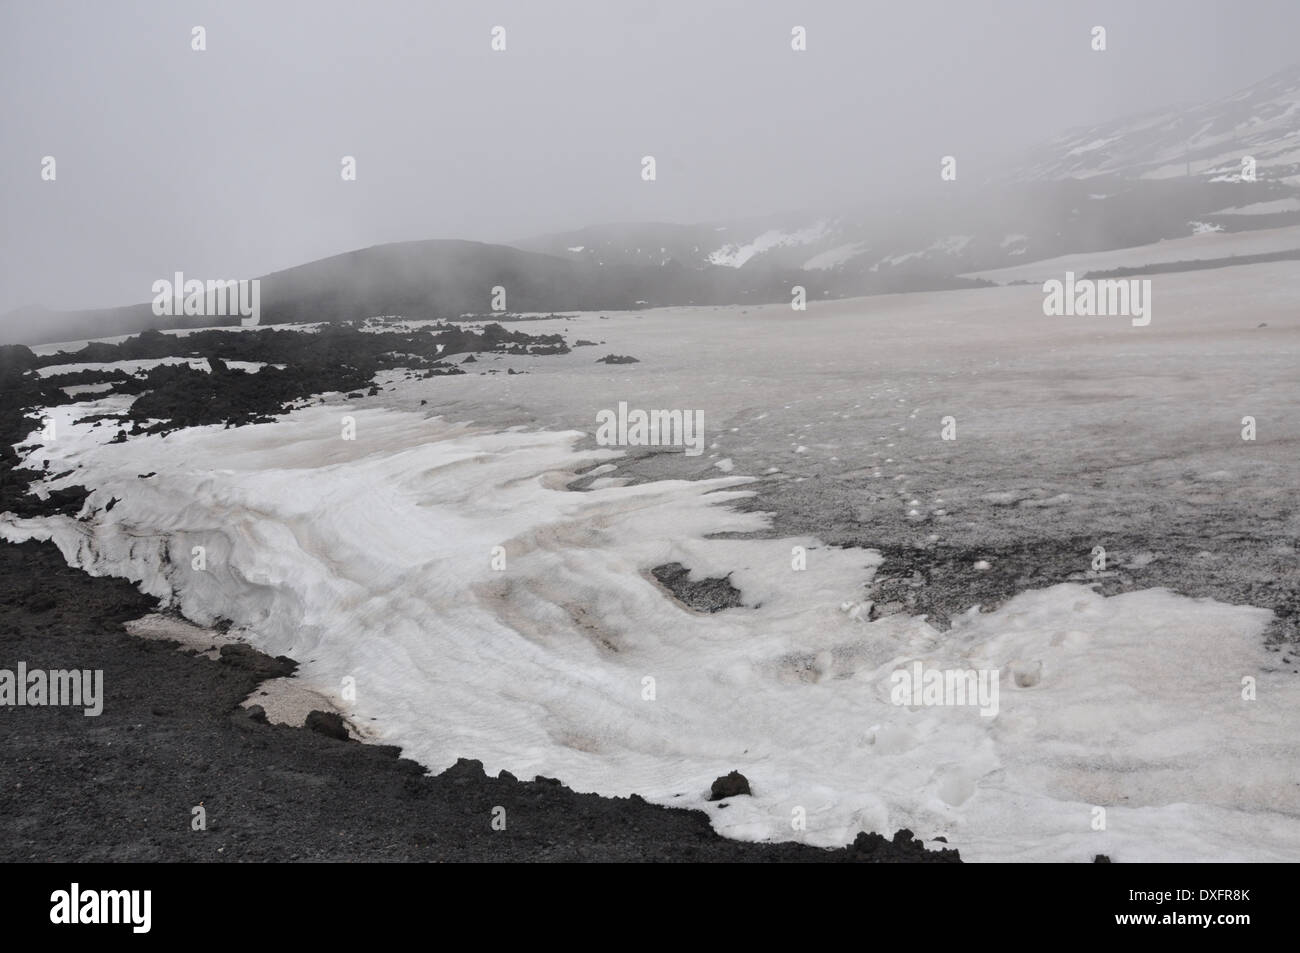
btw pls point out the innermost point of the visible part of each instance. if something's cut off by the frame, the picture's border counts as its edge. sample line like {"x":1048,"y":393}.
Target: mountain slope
{"x":1205,"y":141}
{"x":1119,"y":184}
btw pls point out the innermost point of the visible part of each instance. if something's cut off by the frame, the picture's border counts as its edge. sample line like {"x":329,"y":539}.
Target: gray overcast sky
{"x":225,"y":163}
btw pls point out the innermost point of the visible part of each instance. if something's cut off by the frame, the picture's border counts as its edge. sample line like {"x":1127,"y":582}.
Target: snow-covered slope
{"x":735,"y":255}
{"x":1207,"y":140}
{"x":1207,"y":246}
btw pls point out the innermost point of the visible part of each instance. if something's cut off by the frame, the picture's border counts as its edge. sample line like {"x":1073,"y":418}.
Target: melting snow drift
{"x":380,"y":559}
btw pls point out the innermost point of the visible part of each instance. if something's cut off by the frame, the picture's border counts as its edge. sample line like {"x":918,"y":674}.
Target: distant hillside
{"x":427,"y":280}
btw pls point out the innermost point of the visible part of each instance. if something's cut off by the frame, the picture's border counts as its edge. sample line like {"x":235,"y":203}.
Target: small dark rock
{"x":729,"y":785}
{"x":327,"y":723}
{"x":904,"y":848}
{"x":465,"y":770}
{"x":41,"y":602}
{"x":249,"y":659}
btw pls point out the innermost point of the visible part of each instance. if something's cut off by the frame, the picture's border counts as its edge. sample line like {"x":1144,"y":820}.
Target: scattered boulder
{"x":465,"y":771}
{"x":872,"y":848}
{"x":729,"y":785}
{"x":243,"y":656}
{"x":327,"y":723}
{"x":248,"y":718}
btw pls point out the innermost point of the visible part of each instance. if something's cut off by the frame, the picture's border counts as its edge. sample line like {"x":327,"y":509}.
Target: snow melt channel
{"x":373,"y":559}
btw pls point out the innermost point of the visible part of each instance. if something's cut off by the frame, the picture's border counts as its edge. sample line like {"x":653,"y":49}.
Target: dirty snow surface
{"x":1203,"y":245}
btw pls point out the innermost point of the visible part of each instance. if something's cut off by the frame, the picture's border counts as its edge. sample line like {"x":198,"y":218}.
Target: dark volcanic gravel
{"x":704,"y":595}
{"x":299,"y":364}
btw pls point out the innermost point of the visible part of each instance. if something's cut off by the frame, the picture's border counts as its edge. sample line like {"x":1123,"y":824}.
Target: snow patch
{"x":735,"y":255}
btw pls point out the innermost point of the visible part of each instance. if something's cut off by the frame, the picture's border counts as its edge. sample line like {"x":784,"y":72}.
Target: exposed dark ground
{"x":1236,"y":550}
{"x":1233,"y":545}
{"x":121,"y":786}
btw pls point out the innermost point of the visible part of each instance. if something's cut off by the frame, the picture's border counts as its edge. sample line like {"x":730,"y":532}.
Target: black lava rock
{"x":243,"y":656}
{"x":729,"y":785}
{"x":327,"y":723}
